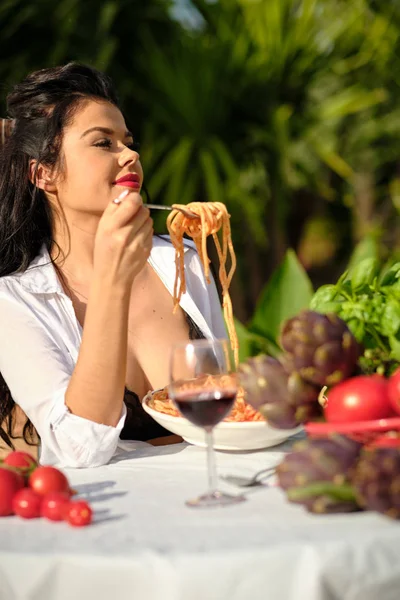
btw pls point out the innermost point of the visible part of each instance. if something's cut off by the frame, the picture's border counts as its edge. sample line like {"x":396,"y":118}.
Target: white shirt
{"x":40,"y":341}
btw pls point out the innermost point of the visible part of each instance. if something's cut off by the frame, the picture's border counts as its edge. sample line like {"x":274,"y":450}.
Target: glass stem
{"x":212,"y":470}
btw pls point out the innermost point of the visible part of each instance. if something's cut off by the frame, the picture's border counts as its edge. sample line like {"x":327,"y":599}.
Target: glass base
{"x":214,"y":499}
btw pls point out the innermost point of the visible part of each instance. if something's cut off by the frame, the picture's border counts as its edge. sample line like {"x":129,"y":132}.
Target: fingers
{"x":128,"y":210}
{"x":123,"y":208}
{"x":114,"y":204}
{"x":119,"y":198}
{"x":141,"y":233}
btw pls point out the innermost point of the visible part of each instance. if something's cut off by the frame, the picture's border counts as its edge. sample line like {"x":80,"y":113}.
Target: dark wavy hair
{"x":40,"y":107}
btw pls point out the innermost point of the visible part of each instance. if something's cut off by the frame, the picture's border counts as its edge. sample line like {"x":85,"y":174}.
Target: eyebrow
{"x":105,"y":130}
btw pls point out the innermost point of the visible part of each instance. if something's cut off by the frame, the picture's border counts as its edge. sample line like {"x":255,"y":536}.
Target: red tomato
{"x":24,"y":462}
{"x":10,"y":483}
{"x":394,"y":390}
{"x":26,"y":504}
{"x":78,"y":513}
{"x":54,"y":506}
{"x":44,"y":480}
{"x":361,"y":398}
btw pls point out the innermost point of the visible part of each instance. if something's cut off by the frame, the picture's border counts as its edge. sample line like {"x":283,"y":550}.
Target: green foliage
{"x":285,"y":110}
{"x":288,"y":291}
{"x":367,"y":298}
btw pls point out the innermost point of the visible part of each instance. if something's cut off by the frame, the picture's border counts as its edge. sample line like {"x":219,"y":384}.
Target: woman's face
{"x":97,"y":151}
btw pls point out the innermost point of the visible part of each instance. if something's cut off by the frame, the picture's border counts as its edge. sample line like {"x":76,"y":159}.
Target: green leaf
{"x":363,"y":273}
{"x":334,"y":161}
{"x":324,"y":299}
{"x":395,"y":347}
{"x":357,"y":328}
{"x":367,"y":248}
{"x":245,"y":341}
{"x":251,"y":344}
{"x":211,"y":177}
{"x":391,"y":276}
{"x":351,"y":100}
{"x":288,"y":291}
{"x":390,"y":322}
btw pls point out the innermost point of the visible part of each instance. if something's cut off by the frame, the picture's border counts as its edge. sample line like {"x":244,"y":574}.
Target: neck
{"x":75,"y":234}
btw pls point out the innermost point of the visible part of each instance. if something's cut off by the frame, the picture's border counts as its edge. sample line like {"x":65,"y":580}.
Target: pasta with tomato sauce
{"x":213,"y":217}
{"x":241,"y":411}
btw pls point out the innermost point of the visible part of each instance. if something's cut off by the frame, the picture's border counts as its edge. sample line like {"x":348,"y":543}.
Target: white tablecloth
{"x":146,"y":544}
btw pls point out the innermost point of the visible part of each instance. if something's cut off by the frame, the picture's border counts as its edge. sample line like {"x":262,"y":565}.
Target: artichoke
{"x":320,"y":347}
{"x":317,"y":474}
{"x":284,"y":399}
{"x":376,"y":480}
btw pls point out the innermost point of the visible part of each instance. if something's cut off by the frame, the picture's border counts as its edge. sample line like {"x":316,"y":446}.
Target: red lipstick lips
{"x":131,"y":180}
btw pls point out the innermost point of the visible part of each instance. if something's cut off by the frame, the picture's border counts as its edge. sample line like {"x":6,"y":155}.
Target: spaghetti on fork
{"x":213,"y":217}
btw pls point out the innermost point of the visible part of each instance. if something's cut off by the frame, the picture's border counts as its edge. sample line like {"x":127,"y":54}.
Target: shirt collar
{"x":41,"y":276}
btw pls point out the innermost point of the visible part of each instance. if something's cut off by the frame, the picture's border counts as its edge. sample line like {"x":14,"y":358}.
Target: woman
{"x":85,"y":286}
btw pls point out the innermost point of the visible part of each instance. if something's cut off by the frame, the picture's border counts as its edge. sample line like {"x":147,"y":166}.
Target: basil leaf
{"x":326,"y":294}
{"x":390,"y":322}
{"x":352,"y":310}
{"x":366,"y":248}
{"x":357,"y":328}
{"x":364,"y":273}
{"x":391,"y":276}
{"x":394,"y":342}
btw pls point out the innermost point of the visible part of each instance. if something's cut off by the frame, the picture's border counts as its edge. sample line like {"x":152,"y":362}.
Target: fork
{"x":188,"y":213}
{"x":256,"y":479}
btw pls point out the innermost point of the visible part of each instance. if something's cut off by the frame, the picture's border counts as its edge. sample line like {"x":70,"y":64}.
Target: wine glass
{"x":204,"y":387}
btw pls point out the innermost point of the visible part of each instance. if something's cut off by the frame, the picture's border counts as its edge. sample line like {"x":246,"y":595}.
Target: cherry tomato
{"x":54,"y":506}
{"x":78,"y":513}
{"x":26,"y":504}
{"x":47,"y":479}
{"x":361,"y":398}
{"x":394,"y":390}
{"x":22,"y":461}
{"x":10,"y":483}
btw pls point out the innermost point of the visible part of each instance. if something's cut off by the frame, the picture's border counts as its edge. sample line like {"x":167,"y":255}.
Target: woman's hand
{"x":124,"y":239}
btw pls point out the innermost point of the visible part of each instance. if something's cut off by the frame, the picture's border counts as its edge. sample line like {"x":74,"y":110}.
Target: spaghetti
{"x":213,"y":217}
{"x":241,"y":411}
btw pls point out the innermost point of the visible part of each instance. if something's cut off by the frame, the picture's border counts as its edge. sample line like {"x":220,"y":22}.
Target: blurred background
{"x":285,"y":110}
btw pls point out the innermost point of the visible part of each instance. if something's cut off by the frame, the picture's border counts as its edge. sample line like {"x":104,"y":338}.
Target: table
{"x":145,"y":544}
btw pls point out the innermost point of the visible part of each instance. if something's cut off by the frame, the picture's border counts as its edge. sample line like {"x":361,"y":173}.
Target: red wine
{"x":205,"y":408}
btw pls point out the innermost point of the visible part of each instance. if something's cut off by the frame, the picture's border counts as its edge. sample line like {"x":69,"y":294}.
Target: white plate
{"x":248,"y":435}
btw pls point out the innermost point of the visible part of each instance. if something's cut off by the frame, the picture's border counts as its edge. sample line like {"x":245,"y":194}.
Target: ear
{"x":43,"y":178}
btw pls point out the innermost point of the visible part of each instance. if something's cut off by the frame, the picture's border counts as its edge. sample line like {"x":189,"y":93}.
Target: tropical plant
{"x":286,"y":110}
{"x":270,"y":107}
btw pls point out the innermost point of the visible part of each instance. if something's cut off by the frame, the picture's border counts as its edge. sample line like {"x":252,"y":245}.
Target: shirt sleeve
{"x":37,"y":371}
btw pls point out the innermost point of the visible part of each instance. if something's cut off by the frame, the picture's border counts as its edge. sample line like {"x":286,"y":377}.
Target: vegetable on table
{"x":368,"y":300}
{"x":29,"y":490}
{"x":284,"y":398}
{"x":361,"y":398}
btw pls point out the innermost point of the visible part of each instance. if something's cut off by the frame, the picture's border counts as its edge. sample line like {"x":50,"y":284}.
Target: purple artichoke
{"x":317,"y":474}
{"x":284,"y":399}
{"x":376,"y":480}
{"x":320,"y":347}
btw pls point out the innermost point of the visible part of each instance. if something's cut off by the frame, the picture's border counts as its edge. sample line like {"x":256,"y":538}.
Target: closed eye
{"x":107,"y":143}
{"x":103,"y":144}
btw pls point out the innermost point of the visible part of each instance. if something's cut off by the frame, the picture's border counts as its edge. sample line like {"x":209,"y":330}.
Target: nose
{"x":128,"y":156}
